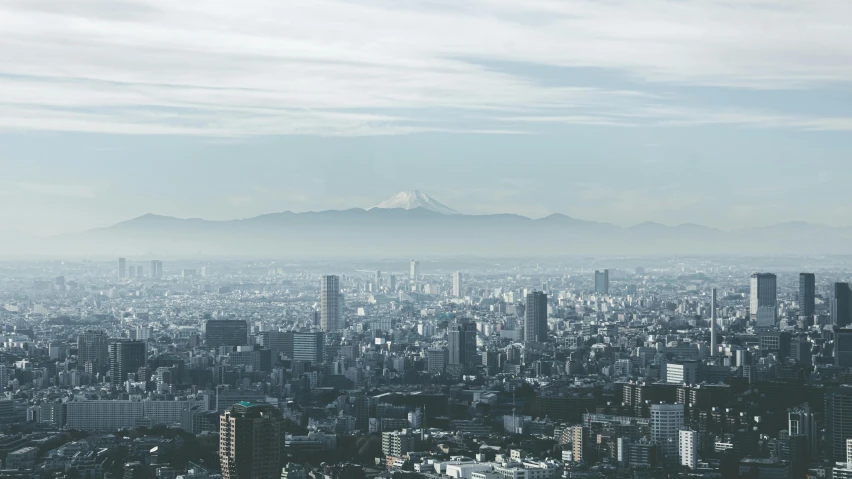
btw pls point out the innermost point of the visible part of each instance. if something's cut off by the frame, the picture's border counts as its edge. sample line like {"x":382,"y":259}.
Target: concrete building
{"x":226,"y":332}
{"x":763,"y":300}
{"x":535,"y":318}
{"x":666,"y":423}
{"x":688,"y":448}
{"x":93,"y":352}
{"x":841,"y":305}
{"x":602,"y":282}
{"x":250,"y":441}
{"x":458,"y":285}
{"x":807,"y":294}
{"x":125,"y":358}
{"x":330,"y":314}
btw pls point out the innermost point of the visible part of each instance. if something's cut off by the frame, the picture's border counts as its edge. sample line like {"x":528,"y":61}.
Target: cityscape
{"x":425,"y":239}
{"x":634,"y":367}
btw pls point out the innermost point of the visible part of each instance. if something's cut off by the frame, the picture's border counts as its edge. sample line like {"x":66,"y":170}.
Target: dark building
{"x":841,"y":306}
{"x":838,"y":422}
{"x":602,"y":282}
{"x":226,"y":332}
{"x":250,"y":441}
{"x":777,"y":342}
{"x":462,"y":345}
{"x":807,"y":293}
{"x":800,"y":350}
{"x":843,"y":347}
{"x":93,"y":352}
{"x":126,"y":357}
{"x":535,"y":318}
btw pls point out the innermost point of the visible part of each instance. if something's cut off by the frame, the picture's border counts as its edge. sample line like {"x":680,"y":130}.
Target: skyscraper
{"x":843,"y":347}
{"x":122,"y":268}
{"x":763,"y":299}
{"x":226,"y":332}
{"x":535,"y":318}
{"x":93,"y":352}
{"x":156,"y":269}
{"x":807,"y":293}
{"x":714,"y":341}
{"x":250,"y":441}
{"x":801,"y":421}
{"x":308,"y":347}
{"x":666,"y":423}
{"x":841,"y":306}
{"x":125,"y":357}
{"x":602,"y":282}
{"x":378,"y":280}
{"x":462,"y":345}
{"x":838,"y":422}
{"x":330,"y":303}
{"x":392,"y":283}
{"x":457,"y":285}
{"x":414,"y":272}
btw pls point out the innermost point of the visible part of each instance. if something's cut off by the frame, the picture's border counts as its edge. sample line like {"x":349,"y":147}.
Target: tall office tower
{"x":801,"y":421}
{"x":688,"y":448}
{"x":378,"y":279}
{"x":93,"y":352}
{"x":457,"y":285}
{"x":763,"y":300}
{"x":156,"y":269}
{"x":602,"y":282}
{"x":308,"y":347}
{"x":250,"y":441}
{"x":535,"y":318}
{"x":838,"y":422}
{"x":843,"y":347}
{"x":414,"y":272}
{"x":122,"y":268}
{"x":841,"y":306}
{"x":392,"y":283}
{"x":807,"y":293}
{"x":226,"y":332}
{"x":714,"y":341}
{"x":666,"y":423}
{"x":330,"y":304}
{"x":126,"y":357}
{"x":462,"y":345}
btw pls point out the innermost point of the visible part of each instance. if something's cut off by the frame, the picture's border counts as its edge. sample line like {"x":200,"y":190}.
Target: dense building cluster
{"x":583,"y":368}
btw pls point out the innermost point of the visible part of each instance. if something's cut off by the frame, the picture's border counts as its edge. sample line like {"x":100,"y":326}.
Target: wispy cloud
{"x":47,"y":189}
{"x":325,"y":67}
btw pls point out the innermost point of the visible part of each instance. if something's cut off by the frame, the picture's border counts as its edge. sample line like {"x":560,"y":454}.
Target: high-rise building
{"x":807,"y":294}
{"x":93,"y":352}
{"x":841,"y":306}
{"x":250,"y":441}
{"x":414,"y":270}
{"x":462,"y":345}
{"x":838,"y":422}
{"x":308,"y":347}
{"x":457,"y":285}
{"x":156,"y":269}
{"x":602,"y":282}
{"x":801,"y":421}
{"x":125,"y":357}
{"x":535,"y":318}
{"x":688,"y":448}
{"x":226,"y":332}
{"x":763,"y":300}
{"x":122,"y":268}
{"x":392,"y":283}
{"x":666,"y":423}
{"x":330,"y":314}
{"x":714,"y":341}
{"x":843,"y":347}
{"x":378,"y":280}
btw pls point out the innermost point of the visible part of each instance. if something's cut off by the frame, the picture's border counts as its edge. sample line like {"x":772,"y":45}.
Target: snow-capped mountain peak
{"x":411,"y":199}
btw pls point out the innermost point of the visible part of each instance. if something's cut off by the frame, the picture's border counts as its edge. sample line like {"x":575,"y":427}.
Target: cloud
{"x":66,"y":191}
{"x":347,"y":67}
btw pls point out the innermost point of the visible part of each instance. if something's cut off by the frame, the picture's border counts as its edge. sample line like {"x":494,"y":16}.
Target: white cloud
{"x":47,"y":189}
{"x":256,"y":67}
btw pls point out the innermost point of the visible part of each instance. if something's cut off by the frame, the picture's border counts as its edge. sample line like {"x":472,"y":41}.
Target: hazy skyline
{"x":724,"y":114}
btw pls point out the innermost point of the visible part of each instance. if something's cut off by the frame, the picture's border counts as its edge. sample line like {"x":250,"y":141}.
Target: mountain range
{"x":412,"y":224}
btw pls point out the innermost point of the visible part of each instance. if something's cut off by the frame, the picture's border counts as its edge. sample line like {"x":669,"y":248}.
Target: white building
{"x":688,"y":448}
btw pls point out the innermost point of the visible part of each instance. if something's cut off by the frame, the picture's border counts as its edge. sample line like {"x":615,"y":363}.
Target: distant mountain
{"x":411,"y":199}
{"x":419,"y":231}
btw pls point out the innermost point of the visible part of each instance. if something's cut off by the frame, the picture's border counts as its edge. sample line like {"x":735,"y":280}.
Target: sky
{"x":729,"y":114}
